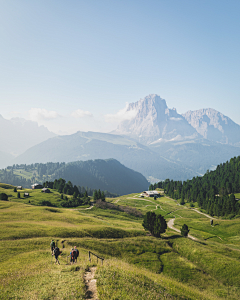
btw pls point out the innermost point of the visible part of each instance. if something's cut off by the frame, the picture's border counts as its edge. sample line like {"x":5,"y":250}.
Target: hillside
{"x":214,"y":192}
{"x":94,"y":145}
{"x":100,"y":174}
{"x":136,"y":265}
{"x":199,"y":155}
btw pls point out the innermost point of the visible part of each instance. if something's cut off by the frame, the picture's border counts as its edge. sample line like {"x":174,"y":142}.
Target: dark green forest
{"x":108,"y":175}
{"x":67,"y":188}
{"x":214,"y":192}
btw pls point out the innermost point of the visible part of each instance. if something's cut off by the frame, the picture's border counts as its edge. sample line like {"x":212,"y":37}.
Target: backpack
{"x":52,"y":244}
{"x":74,"y":254}
{"x":57,"y":251}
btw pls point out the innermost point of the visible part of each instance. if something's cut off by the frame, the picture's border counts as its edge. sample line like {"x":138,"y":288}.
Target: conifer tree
{"x":184,"y":230}
{"x":95,"y":195}
{"x":156,"y":224}
{"x":102,"y":196}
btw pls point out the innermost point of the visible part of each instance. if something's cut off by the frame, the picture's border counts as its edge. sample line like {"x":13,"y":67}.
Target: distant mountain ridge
{"x":95,"y":145}
{"x":215,"y":126}
{"x":17,"y":135}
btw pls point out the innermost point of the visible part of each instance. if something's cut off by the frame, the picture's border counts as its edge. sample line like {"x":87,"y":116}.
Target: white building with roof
{"x":150,"y":193}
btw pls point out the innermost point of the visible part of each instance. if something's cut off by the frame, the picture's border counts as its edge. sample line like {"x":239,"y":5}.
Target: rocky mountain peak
{"x":153,"y":120}
{"x":213,"y":125}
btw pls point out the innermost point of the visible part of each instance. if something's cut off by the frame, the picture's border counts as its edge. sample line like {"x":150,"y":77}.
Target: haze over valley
{"x":155,"y":141}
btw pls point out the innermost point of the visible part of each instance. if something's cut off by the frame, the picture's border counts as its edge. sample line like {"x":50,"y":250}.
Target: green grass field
{"x":136,"y":265}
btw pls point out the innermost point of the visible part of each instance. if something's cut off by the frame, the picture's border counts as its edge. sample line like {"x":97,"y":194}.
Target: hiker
{"x":57,"y":252}
{"x":73,"y":255}
{"x":52,"y":245}
{"x":77,"y":253}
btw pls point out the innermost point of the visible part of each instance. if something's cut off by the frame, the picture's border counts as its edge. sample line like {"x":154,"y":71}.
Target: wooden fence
{"x":89,"y":256}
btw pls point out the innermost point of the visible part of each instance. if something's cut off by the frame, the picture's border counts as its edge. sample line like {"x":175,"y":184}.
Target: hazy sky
{"x":68,"y":64}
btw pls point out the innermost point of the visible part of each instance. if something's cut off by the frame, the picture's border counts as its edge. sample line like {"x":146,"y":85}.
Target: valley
{"x":136,"y":265}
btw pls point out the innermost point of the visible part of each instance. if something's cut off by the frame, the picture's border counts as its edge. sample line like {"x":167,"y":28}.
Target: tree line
{"x":214,"y":192}
{"x":80,"y":196}
{"x":44,"y":174}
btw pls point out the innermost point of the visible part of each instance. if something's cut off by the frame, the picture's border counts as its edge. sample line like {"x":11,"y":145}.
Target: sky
{"x":75,"y":65}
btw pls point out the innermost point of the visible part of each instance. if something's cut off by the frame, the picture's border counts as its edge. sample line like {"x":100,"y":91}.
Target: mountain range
{"x":17,"y":135}
{"x":157,"y":142}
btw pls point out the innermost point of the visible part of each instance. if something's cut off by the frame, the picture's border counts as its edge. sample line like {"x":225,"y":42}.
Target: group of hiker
{"x":55,"y":251}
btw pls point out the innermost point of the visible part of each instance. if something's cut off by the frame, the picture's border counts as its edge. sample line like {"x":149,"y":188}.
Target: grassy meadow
{"x":136,"y":265}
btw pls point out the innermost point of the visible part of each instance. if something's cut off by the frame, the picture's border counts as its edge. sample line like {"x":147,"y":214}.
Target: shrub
{"x":184,"y":230}
{"x":231,"y":216}
{"x":46,"y":203}
{"x":3,"y":196}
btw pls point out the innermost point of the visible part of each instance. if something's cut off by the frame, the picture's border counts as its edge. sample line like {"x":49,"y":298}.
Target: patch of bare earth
{"x":91,"y":284}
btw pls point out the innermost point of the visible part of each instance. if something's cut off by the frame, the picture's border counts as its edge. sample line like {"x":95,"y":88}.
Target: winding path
{"x":203,"y":214}
{"x":170,"y":225}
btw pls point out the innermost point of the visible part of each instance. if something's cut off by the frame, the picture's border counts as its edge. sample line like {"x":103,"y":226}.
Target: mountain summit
{"x":213,"y":125}
{"x":153,"y":121}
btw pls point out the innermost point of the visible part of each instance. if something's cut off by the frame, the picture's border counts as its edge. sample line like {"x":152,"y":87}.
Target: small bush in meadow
{"x":3,"y":196}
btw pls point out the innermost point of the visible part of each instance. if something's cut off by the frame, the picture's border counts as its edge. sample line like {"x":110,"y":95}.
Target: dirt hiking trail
{"x":91,"y":284}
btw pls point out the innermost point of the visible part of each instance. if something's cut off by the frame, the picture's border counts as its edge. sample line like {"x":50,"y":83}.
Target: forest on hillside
{"x":213,"y":192}
{"x":108,"y":175}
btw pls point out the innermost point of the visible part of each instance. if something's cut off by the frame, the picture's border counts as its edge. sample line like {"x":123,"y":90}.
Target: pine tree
{"x":184,"y":230}
{"x":95,"y":195}
{"x":156,"y":224}
{"x":148,"y":221}
{"x":182,"y":202}
{"x":160,"y":226}
{"x":102,"y":196}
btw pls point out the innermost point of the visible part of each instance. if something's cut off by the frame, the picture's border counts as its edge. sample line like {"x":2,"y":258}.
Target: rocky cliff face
{"x":154,"y":121}
{"x":213,"y":125}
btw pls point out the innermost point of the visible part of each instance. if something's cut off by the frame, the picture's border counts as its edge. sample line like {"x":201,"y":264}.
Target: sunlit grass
{"x":28,"y":272}
{"x":119,"y":280}
{"x":135,"y":266}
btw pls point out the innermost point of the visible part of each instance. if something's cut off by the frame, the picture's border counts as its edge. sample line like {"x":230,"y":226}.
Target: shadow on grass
{"x":202,"y":243}
{"x":175,"y":236}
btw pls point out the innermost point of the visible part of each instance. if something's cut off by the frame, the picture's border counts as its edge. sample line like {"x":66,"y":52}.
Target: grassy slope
{"x":136,"y":266}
